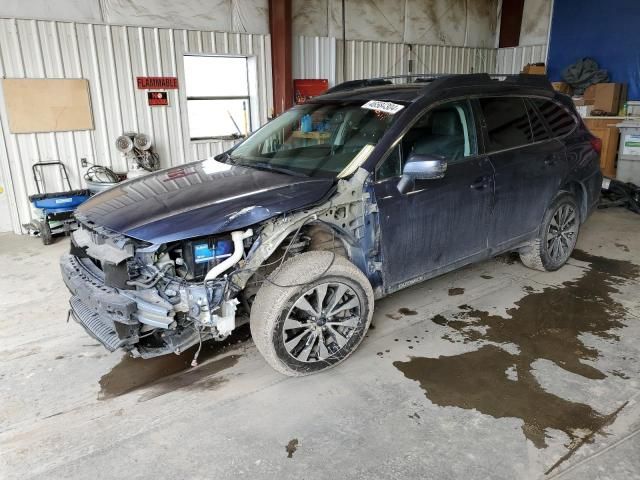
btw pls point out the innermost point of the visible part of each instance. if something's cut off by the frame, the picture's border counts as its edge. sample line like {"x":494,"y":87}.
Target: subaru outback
{"x":343,"y":200}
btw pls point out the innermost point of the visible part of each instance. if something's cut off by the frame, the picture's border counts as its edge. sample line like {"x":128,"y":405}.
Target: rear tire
{"x":311,"y":313}
{"x":557,"y":236}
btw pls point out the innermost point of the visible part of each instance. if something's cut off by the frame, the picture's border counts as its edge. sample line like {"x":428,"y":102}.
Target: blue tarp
{"x":608,"y":32}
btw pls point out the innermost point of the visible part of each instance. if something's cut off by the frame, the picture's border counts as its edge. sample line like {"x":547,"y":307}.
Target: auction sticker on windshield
{"x":387,"y":107}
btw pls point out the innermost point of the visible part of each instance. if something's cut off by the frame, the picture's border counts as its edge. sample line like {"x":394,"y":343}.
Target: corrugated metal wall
{"x":321,"y":57}
{"x":511,"y":60}
{"x":110,"y":57}
{"x":444,"y":59}
{"x":372,"y":59}
{"x":314,"y":57}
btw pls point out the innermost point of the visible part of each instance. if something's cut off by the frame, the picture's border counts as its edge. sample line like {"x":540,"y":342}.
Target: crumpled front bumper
{"x":106,"y":314}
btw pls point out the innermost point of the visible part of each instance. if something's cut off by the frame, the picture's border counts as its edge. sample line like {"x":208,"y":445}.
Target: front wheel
{"x":557,"y":236}
{"x":311,"y":313}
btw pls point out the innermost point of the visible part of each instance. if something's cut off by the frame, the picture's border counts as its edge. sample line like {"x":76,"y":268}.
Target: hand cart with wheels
{"x":57,"y":208}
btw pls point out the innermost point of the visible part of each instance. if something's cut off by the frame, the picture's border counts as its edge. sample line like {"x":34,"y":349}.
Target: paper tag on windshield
{"x":605,"y":183}
{"x":387,"y":107}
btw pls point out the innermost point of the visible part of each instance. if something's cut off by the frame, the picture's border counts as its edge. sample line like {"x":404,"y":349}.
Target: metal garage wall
{"x":314,"y":57}
{"x":372,"y":59}
{"x":321,"y":57}
{"x":443,"y":59}
{"x":511,"y":60}
{"x":110,"y":57}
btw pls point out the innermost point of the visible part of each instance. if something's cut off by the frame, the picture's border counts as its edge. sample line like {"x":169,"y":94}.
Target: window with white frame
{"x":217,"y":89}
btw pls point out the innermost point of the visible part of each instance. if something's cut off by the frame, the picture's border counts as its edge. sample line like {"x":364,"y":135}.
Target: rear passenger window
{"x":507,"y":122}
{"x":540,"y":132}
{"x":558,"y":118}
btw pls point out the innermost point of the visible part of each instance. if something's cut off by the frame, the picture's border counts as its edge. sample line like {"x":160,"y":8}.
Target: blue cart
{"x":57,"y":208}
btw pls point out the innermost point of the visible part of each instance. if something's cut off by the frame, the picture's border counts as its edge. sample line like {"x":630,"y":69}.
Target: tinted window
{"x":540,"y":132}
{"x":559,"y":120}
{"x":507,"y":122}
{"x":446,"y":131}
{"x":392,"y":166}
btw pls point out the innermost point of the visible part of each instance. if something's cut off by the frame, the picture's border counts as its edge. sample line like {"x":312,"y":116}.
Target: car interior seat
{"x":445,"y":136}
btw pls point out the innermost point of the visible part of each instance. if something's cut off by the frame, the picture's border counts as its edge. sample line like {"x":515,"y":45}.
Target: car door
{"x":439,"y":222}
{"x":528,"y":167}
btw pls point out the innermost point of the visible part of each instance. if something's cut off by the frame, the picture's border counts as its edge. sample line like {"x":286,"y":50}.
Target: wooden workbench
{"x":605,"y":129}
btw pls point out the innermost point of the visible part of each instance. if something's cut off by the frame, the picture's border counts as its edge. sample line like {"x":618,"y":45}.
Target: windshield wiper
{"x":224,"y":157}
{"x":266,"y":166}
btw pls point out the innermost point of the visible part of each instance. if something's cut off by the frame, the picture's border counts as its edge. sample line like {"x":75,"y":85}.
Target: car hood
{"x":200,"y":198}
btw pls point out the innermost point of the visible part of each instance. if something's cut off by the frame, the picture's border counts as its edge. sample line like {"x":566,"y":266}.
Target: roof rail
{"x":365,"y":82}
{"x":450,"y":79}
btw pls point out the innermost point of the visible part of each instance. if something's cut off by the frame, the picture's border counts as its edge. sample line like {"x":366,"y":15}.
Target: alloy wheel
{"x":562,"y":233}
{"x":321,"y":322}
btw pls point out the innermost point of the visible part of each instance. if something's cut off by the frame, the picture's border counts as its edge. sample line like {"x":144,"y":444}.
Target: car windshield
{"x":316,"y":140}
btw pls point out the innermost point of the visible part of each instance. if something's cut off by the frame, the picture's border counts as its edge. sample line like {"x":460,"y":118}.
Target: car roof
{"x":382,"y":89}
{"x":405,"y":93}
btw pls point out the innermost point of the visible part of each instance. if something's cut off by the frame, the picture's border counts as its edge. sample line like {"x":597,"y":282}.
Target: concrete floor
{"x":492,"y":371}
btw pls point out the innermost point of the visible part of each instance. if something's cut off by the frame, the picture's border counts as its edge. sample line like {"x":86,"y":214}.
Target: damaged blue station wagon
{"x":361,"y":192}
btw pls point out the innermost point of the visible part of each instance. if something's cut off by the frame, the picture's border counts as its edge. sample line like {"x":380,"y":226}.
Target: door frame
{"x":478,"y":156}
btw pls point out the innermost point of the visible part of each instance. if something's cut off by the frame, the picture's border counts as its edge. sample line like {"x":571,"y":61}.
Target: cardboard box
{"x":590,"y":94}
{"x":607,"y":97}
{"x":562,"y":87}
{"x":534,"y":69}
{"x":581,"y":101}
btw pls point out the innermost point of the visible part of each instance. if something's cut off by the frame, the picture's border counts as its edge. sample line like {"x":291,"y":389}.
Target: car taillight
{"x":596,"y":143}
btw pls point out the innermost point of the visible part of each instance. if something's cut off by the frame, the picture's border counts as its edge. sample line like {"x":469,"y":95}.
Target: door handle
{"x":481,"y":183}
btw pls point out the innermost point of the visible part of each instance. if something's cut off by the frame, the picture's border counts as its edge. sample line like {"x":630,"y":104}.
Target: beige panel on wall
{"x":47,"y":105}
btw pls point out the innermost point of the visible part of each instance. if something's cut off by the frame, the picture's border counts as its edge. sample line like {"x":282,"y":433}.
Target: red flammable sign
{"x":165,"y":83}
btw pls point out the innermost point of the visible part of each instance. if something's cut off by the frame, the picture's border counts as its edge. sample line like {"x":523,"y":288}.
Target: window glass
{"x":217,"y":91}
{"x":538,"y":128}
{"x":318,"y":140}
{"x":446,"y":131}
{"x":391,"y":166}
{"x":559,"y":120}
{"x":215,"y":76}
{"x":217,"y":118}
{"x":507,"y":122}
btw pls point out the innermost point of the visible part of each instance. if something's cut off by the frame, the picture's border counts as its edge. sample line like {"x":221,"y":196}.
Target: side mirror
{"x":421,"y":167}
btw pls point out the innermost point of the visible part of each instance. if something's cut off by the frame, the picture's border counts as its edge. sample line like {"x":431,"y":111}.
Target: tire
{"x":554,"y":246}
{"x":296,"y":337}
{"x":45,"y":233}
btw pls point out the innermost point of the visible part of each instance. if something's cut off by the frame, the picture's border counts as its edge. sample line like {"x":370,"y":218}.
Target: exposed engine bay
{"x":153,"y":299}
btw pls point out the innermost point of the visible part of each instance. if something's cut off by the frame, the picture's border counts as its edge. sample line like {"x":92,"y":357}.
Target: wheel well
{"x":322,"y":237}
{"x":580,"y":194}
{"x":314,"y":236}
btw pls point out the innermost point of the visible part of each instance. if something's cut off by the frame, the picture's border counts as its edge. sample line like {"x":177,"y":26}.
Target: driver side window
{"x":445,"y":131}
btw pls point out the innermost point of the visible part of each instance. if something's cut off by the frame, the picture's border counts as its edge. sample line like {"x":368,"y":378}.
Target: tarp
{"x":599,"y":30}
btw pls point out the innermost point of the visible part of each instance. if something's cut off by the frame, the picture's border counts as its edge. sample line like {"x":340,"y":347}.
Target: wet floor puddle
{"x":543,"y":325}
{"x":160,"y":375}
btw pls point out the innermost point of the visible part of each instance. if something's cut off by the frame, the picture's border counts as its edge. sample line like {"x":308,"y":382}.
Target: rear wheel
{"x":311,"y":313}
{"x":557,"y":236}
